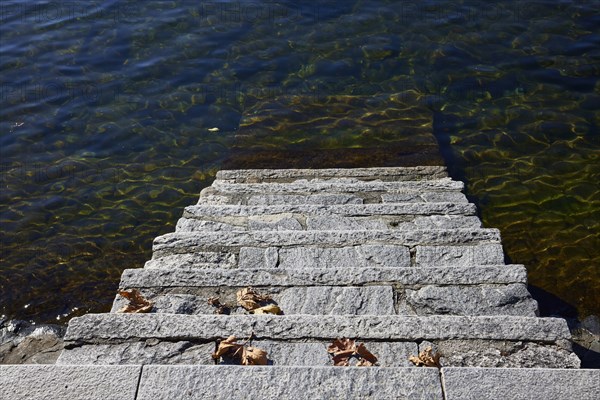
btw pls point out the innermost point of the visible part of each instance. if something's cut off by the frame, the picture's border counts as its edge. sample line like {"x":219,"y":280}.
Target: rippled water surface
{"x":107,"y":110}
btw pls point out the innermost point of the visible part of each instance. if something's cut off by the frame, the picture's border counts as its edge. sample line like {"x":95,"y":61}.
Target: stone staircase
{"x":394,"y":258}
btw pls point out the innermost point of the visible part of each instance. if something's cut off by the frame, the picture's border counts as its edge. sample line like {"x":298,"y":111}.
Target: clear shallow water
{"x":105,"y":113}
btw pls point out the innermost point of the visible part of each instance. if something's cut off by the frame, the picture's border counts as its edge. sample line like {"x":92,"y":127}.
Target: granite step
{"x":366,"y":174}
{"x":191,"y":242}
{"x":499,"y":290}
{"x":289,"y":221}
{"x":303,"y":339}
{"x":224,"y":382}
{"x":333,"y":217}
{"x":357,"y":256}
{"x":212,"y":197}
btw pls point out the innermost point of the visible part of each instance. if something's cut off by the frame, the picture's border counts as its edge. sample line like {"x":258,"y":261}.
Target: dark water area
{"x":108,"y":110}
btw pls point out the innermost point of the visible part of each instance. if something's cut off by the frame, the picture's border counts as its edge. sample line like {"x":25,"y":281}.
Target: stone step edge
{"x":157,"y":382}
{"x":183,"y":242}
{"x":350,"y":210}
{"x":337,"y":186}
{"x":287,"y":277}
{"x":100,"y":328}
{"x":245,"y":175}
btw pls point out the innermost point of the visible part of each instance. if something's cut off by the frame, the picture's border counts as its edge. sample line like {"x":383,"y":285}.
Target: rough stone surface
{"x":189,"y":242}
{"x":511,"y":299}
{"x":198,"y":277}
{"x":364,"y":210}
{"x":427,"y":197}
{"x":463,"y":256}
{"x":503,"y":354}
{"x":20,"y":382}
{"x":102,"y":327}
{"x":368,"y":300}
{"x":297,"y":383}
{"x":291,"y":199}
{"x":500,"y":383}
{"x":343,"y":257}
{"x":196,"y":260}
{"x":286,"y":175}
{"x":335,"y":185}
{"x":150,"y":351}
{"x":24,"y":343}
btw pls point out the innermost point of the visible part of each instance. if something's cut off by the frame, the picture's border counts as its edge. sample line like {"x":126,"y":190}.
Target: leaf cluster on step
{"x":239,"y":353}
{"x":427,"y":358}
{"x":137,"y":302}
{"x":344,"y":349}
{"x":250,"y":300}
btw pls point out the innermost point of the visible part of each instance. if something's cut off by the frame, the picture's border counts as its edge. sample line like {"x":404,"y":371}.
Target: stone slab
{"x":336,"y":185}
{"x":186,"y":277}
{"x":462,"y":256}
{"x":512,"y":299}
{"x":365,"y":210}
{"x":320,"y":257}
{"x":519,"y":383}
{"x":149,"y":351}
{"x":197,"y":260}
{"x":286,"y":175}
{"x":297,"y":383}
{"x":504,"y":354}
{"x":192,"y":242}
{"x":43,"y":382}
{"x":98,"y":328}
{"x":292,"y":199}
{"x":427,"y":197}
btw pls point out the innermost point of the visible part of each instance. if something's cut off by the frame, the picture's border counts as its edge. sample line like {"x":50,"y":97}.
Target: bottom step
{"x":235,"y":382}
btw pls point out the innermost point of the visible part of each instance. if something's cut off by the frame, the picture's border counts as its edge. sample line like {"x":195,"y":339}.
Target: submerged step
{"x":288,"y":175}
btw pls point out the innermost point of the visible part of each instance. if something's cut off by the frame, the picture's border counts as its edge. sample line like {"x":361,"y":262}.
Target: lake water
{"x":107,"y":110}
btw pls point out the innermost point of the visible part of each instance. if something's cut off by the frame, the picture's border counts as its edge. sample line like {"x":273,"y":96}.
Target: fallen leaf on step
{"x":229,"y":348}
{"x":254,"y":356}
{"x":367,"y":359}
{"x":268,"y":309}
{"x":251,"y":299}
{"x":137,"y":302}
{"x":426,"y":358}
{"x":239,"y":354}
{"x":344,"y":349}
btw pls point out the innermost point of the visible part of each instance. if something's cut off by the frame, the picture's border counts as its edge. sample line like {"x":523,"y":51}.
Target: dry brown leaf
{"x":368,"y":359}
{"x":251,"y":299}
{"x":343,"y":349}
{"x":229,"y":348}
{"x":137,"y":302}
{"x":268,"y":309}
{"x":239,"y":353}
{"x":427,"y":358}
{"x":254,"y":356}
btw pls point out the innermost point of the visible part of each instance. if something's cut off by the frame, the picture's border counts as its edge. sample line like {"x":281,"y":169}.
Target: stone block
{"x":324,"y":300}
{"x":513,"y":299}
{"x":69,"y":382}
{"x":519,"y":383}
{"x":218,"y":277}
{"x":200,"y":259}
{"x":460,"y":256}
{"x":334,"y":222}
{"x":149,"y":351}
{"x":293,"y":199}
{"x":287,"y":383}
{"x":288,"y":175}
{"x":103,"y":327}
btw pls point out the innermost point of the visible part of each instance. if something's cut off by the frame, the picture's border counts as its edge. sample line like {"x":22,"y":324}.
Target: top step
{"x":363,"y":174}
